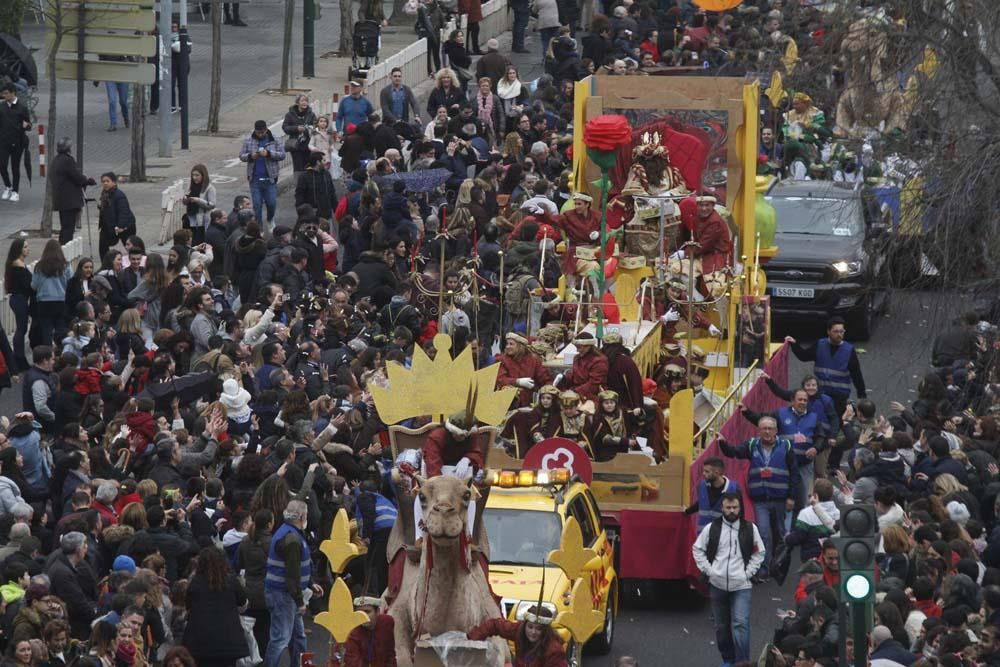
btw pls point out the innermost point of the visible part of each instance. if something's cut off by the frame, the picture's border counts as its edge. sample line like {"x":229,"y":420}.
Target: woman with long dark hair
{"x":199,"y":200}
{"x":215,"y":597}
{"x":153,"y":282}
{"x":535,"y":643}
{"x":12,"y":480}
{"x":78,"y":287}
{"x":252,"y":561}
{"x":17,"y":284}
{"x":51,"y":276}
{"x":110,"y":266}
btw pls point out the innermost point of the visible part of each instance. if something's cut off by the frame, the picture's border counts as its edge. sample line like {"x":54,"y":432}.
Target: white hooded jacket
{"x":727,"y":572}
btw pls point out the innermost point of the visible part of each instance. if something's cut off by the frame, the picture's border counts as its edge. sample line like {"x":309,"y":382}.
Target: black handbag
{"x":780,"y":561}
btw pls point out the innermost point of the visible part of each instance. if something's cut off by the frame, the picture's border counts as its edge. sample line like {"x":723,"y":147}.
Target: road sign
{"x":94,"y":70}
{"x":553,"y":453}
{"x":139,"y":19}
{"x":110,"y":44}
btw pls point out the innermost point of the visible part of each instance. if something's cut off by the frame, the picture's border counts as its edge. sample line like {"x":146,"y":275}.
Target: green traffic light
{"x":858,"y":587}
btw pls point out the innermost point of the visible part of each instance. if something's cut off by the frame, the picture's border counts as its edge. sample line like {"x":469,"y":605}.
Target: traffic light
{"x":856,"y":546}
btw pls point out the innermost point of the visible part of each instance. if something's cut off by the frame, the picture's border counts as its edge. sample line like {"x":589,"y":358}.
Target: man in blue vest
{"x":803,"y":427}
{"x":713,"y":485}
{"x":38,"y":388}
{"x":772,"y":479}
{"x":836,"y":366}
{"x":729,"y":552}
{"x":376,"y":515}
{"x":288,"y":585}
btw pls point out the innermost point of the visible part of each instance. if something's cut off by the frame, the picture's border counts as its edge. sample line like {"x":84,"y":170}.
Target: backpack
{"x":745,"y":538}
{"x":517,"y":294}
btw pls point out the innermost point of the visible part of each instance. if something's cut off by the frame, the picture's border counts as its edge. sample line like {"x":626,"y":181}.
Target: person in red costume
{"x":590,"y":369}
{"x":457,"y":444}
{"x":535,"y":644}
{"x":582,"y":225}
{"x":521,"y":368}
{"x":371,"y":644}
{"x":711,"y":234}
{"x":673,"y":307}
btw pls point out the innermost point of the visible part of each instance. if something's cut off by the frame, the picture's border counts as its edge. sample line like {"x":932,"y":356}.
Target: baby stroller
{"x":367,"y":37}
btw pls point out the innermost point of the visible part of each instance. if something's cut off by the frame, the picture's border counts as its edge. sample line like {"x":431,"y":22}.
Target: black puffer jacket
{"x":372,"y":272}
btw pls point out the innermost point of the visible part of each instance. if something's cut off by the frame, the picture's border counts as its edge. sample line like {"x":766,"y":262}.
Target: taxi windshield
{"x":521,"y":537}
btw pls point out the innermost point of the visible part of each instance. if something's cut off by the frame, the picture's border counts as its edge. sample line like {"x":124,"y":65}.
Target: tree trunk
{"x":346,"y":28}
{"x":215,"y":94}
{"x":137,"y":172}
{"x":286,"y":47}
{"x":55,"y":15}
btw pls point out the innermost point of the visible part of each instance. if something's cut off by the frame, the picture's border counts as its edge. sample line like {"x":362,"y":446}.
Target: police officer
{"x":288,"y":585}
{"x":773,"y":478}
{"x":712,"y":486}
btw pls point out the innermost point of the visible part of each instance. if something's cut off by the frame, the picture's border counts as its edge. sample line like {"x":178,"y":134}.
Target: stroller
{"x":367,"y":38}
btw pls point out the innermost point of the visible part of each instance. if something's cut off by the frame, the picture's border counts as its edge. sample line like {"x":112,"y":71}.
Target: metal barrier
{"x":412,"y":60}
{"x":496,"y":20}
{"x":171,"y":211}
{"x":72,"y":250}
{"x":722,"y":413}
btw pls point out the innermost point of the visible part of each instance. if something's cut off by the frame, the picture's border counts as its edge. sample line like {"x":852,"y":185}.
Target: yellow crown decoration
{"x":340,"y":549}
{"x":341,"y":617}
{"x":571,"y":556}
{"x":441,"y":387}
{"x":581,"y":619}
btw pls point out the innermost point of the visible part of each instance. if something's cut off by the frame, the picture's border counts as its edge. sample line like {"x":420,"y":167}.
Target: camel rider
{"x":609,"y":431}
{"x":535,"y":643}
{"x":711,"y":487}
{"x":590,"y":369}
{"x":572,"y":423}
{"x":456,"y":448}
{"x":373,"y":643}
{"x":288,"y":585}
{"x":521,"y":368}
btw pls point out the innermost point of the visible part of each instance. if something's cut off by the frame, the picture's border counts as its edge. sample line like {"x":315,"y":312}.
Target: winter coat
{"x":728,"y":571}
{"x":440,"y":97}
{"x":250,"y":253}
{"x":527,"y":366}
{"x":117,"y":213}
{"x":213,"y":631}
{"x":290,"y":125}
{"x":372,"y":273}
{"x":548,"y":14}
{"x":10,"y":495}
{"x":75,"y":586}
{"x":474,"y":8}
{"x":251,"y":559}
{"x":315,"y":187}
{"x":314,"y":249}
{"x":67,"y":183}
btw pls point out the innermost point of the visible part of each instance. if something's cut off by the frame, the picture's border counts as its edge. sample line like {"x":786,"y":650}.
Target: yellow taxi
{"x":524,"y":522}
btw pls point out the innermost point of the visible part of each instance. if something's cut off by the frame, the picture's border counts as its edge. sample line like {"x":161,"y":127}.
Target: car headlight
{"x":525,"y":605}
{"x":845,"y":268}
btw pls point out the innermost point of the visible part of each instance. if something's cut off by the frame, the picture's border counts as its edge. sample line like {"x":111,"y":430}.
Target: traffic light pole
{"x":859,"y":630}
{"x":842,"y":639}
{"x":183,"y":69}
{"x":308,"y":38}
{"x":165,"y":65}
{"x":80,"y":35}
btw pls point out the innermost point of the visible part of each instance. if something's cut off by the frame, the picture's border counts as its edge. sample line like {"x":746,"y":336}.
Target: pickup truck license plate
{"x":795,"y":292}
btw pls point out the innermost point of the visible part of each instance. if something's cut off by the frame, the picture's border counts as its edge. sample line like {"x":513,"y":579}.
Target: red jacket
{"x":588,"y":375}
{"x":830,"y":578}
{"x":88,"y":381}
{"x":108,"y":515}
{"x":122,"y":501}
{"x":367,"y":648}
{"x":528,"y":366}
{"x":715,"y":244}
{"x":554,"y":655}
{"x":143,"y":428}
{"x":442,"y":449}
{"x":929,"y":607}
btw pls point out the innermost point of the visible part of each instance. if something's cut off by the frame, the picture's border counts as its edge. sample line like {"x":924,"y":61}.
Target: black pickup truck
{"x":831,"y":257}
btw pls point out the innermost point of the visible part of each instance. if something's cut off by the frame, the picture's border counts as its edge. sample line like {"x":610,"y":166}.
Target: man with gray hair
{"x":22,"y":513}
{"x":68,"y":182}
{"x":74,"y":582}
{"x":288,"y":585}
{"x":18,"y":532}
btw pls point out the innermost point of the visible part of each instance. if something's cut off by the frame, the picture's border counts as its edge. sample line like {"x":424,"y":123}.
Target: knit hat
{"x":958,"y":512}
{"x":235,"y":398}
{"x":123,"y":563}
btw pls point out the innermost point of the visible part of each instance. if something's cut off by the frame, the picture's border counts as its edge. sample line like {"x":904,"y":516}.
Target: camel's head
{"x":444,"y":502}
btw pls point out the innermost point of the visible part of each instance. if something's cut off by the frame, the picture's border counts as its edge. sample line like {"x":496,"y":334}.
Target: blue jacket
{"x":51,"y":288}
{"x":25,"y":439}
{"x":353,"y":110}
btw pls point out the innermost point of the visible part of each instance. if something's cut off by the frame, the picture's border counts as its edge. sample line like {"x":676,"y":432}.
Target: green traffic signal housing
{"x":856,"y":547}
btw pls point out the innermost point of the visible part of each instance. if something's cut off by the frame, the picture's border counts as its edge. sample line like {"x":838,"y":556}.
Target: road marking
{"x":231,"y":163}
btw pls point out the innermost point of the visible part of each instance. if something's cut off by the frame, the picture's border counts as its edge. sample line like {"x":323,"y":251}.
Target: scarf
{"x":125,"y":653}
{"x":485,"y":106}
{"x":192,"y":208}
{"x":508,"y":90}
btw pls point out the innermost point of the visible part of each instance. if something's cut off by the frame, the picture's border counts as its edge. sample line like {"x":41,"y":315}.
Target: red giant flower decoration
{"x":607,"y":133}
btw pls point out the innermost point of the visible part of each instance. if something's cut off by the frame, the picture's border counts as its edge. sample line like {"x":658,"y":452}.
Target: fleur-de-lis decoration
{"x":341,"y":617}
{"x":776,"y":91}
{"x":581,"y":619}
{"x":572,"y":557}
{"x":339,"y":549}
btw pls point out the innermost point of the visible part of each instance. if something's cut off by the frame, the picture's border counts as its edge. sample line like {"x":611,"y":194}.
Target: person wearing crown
{"x":545,"y":415}
{"x":581,"y":227}
{"x":521,"y":368}
{"x":651,"y":175}
{"x":609,"y":431}
{"x":572,"y":422}
{"x":535,"y":643}
{"x":373,"y":643}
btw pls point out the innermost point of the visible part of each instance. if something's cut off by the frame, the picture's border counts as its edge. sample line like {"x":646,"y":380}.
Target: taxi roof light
{"x":509,"y":479}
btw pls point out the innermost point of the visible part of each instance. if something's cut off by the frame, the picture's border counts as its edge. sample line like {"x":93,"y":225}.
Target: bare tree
{"x":286,"y":47}
{"x":346,"y":27}
{"x":215,"y":93}
{"x":56,"y":18}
